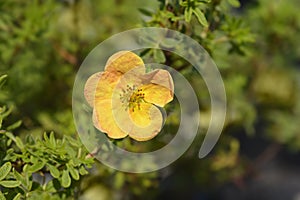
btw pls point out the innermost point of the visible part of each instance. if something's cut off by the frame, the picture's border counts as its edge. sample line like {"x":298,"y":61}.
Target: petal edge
{"x":124,"y":61}
{"x":90,"y":88}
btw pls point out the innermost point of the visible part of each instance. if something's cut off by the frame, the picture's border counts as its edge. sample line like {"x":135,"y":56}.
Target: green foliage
{"x":4,"y":170}
{"x":26,"y":166}
{"x":192,"y":7}
{"x":42,"y":44}
{"x":205,"y":21}
{"x":274,"y":85}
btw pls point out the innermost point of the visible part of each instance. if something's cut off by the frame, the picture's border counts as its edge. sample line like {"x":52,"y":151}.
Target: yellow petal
{"x":90,"y":88}
{"x":160,"y":77}
{"x":158,"y":88}
{"x":124,"y":61}
{"x":147,"y":122}
{"x":141,"y":124}
{"x":106,"y":85}
{"x":104,"y":120}
{"x":141,"y":115}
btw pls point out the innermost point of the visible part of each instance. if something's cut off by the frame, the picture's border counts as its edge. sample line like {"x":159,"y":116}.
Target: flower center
{"x":132,"y":98}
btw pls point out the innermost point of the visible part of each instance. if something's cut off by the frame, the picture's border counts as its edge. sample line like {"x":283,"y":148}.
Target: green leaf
{"x":169,"y":42}
{"x":5,"y":112}
{"x":146,"y":12}
{"x":74,"y":142}
{"x":119,"y":180}
{"x":65,"y":179}
{"x":70,"y":151}
{"x":82,"y":170}
{"x":50,"y":187}
{"x":10,"y":184}
{"x":183,"y":3}
{"x":53,"y":171}
{"x":24,"y":180}
{"x":234,"y":3}
{"x":19,"y":143}
{"x":26,"y":168}
{"x":36,"y":166}
{"x":2,"y":80}
{"x":4,"y":170}
{"x":75,"y":162}
{"x":10,"y":136}
{"x":74,"y":173}
{"x":17,"y":197}
{"x":46,"y":137}
{"x":52,"y":140}
{"x":14,"y":125}
{"x":159,"y":56}
{"x":29,"y":140}
{"x":201,"y":17}
{"x":188,"y":14}
{"x":2,"y":197}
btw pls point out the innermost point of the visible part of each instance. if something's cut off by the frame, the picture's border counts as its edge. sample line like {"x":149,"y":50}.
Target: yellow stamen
{"x":132,"y":98}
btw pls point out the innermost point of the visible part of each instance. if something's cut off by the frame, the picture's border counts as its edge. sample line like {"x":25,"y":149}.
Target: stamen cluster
{"x":132,"y":97}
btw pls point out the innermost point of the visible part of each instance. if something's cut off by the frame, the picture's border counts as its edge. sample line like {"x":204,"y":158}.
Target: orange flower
{"x":125,"y":99}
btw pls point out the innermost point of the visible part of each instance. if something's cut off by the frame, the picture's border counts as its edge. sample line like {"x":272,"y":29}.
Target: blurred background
{"x":256,"y":47}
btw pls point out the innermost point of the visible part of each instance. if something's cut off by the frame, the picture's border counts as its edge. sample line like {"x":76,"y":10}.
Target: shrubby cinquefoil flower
{"x":125,"y":98}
